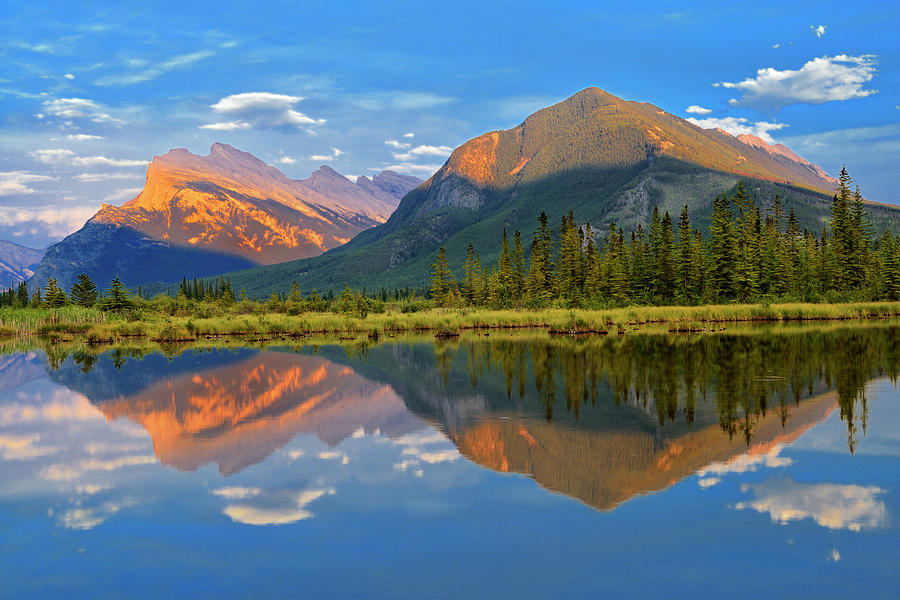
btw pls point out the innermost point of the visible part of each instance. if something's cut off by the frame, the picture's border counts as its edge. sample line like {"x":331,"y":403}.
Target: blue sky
{"x":89,"y":94}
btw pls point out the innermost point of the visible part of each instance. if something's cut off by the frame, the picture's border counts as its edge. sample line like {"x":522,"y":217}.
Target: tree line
{"x":747,"y":255}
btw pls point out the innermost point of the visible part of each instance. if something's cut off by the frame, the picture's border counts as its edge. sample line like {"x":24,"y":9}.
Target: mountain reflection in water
{"x":598,"y":419}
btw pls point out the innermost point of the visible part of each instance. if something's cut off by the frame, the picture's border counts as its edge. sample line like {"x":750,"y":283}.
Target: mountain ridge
{"x":608,"y":159}
{"x":223,"y":211}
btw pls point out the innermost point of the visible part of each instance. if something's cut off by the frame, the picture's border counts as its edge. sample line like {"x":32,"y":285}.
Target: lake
{"x":753,"y":462}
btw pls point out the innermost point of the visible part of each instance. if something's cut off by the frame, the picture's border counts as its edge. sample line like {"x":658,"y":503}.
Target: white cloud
{"x":286,"y":160}
{"x":237,"y":493}
{"x":398,"y":145}
{"x":411,"y":168}
{"x":69,"y":76}
{"x":747,"y":462}
{"x":335,"y":153}
{"x":95,"y":177}
{"x":62,"y":156}
{"x":423,"y":150}
{"x":261,"y":110}
{"x":83,"y":137}
{"x":177,"y":62}
{"x":776,"y":45}
{"x":21,"y":447}
{"x":15,"y":182}
{"x":739,"y":125}
{"x":58,"y":220}
{"x":819,"y":30}
{"x":830,"y":505}
{"x":123,"y":194}
{"x":232,"y":126}
{"x":63,"y":472}
{"x":697,"y":110}
{"x":409,"y":135}
{"x":78,"y":108}
{"x":280,"y":509}
{"x":820,"y":80}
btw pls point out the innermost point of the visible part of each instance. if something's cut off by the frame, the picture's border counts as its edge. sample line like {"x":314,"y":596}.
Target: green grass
{"x":97,"y":327}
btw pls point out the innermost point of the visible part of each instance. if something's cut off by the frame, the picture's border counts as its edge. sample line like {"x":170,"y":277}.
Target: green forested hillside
{"x":606,"y":159}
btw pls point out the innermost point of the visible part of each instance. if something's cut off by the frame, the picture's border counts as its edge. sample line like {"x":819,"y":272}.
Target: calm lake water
{"x":755,"y":462}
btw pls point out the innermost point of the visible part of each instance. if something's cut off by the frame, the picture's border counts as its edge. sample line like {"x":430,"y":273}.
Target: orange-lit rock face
{"x":477,"y":159}
{"x":605,"y":468}
{"x":596,"y":129}
{"x":232,"y":202}
{"x":238,"y":415}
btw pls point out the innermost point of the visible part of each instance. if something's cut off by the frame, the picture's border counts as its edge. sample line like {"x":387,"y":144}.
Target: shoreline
{"x":94,"y":326}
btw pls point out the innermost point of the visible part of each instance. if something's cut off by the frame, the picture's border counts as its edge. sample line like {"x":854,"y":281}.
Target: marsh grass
{"x":97,"y":327}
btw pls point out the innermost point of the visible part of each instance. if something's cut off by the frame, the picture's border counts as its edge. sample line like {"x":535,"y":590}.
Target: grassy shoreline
{"x":99,"y":327}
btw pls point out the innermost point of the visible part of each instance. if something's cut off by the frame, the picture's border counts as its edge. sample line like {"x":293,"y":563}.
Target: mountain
{"x":608,"y":159}
{"x":237,"y":414}
{"x":204,"y":215}
{"x":17,"y":263}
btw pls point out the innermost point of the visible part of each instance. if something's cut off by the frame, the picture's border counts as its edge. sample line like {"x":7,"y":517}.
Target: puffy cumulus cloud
{"x":55,"y":220}
{"x":397,"y":144}
{"x":830,"y":505}
{"x":818,"y":30}
{"x":739,"y":125}
{"x":286,"y":160}
{"x":17,"y":182}
{"x":422,"y":151}
{"x":697,"y":110}
{"x":62,"y":156}
{"x":261,"y":110}
{"x":748,"y":462}
{"x":335,"y":154}
{"x":78,"y":108}
{"x":823,"y":79}
{"x":276,"y":507}
{"x":154,"y":70}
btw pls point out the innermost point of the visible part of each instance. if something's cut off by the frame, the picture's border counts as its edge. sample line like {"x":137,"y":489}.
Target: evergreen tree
{"x":441,"y":280}
{"x":54,"y":296}
{"x":84,"y":291}
{"x":518,"y":268}
{"x":116,"y":297}
{"x":22,"y":295}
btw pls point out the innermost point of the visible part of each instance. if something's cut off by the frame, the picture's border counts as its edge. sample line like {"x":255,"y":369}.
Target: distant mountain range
{"x":204,"y":215}
{"x":17,"y":263}
{"x":608,"y":159}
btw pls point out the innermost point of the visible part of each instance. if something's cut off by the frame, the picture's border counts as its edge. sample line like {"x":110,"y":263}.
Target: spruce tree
{"x":84,"y":291}
{"x":441,"y":280}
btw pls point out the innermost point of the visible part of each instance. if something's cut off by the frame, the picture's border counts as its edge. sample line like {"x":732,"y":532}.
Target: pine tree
{"x":518,"y":267}
{"x":504,"y":273}
{"x":686,"y":281}
{"x":570,"y":261}
{"x":84,"y":291}
{"x":22,"y":295}
{"x":541,"y":269}
{"x":116,"y":297}
{"x":441,"y":280}
{"x":54,"y":296}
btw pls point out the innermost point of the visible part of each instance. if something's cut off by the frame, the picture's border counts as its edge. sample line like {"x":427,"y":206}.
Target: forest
{"x":747,"y":255}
